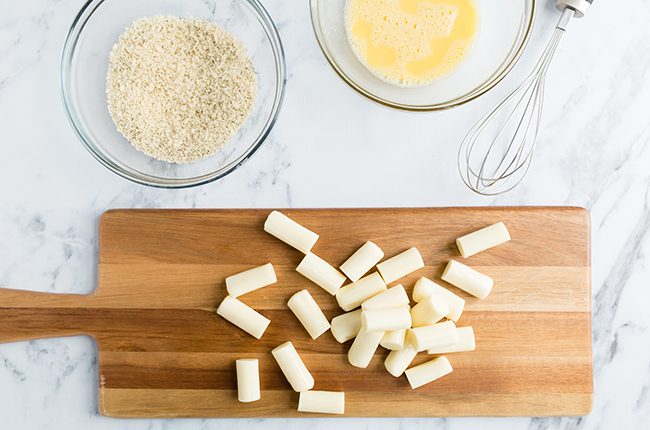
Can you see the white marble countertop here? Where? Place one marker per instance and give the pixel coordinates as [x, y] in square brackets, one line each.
[594, 152]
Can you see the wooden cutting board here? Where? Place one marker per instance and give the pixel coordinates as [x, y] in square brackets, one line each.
[163, 352]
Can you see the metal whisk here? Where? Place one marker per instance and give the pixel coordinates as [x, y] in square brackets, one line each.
[495, 156]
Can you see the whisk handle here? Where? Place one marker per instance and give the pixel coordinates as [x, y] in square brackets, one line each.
[580, 7]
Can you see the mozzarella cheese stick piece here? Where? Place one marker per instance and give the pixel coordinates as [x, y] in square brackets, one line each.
[293, 367]
[400, 265]
[360, 263]
[290, 232]
[352, 295]
[244, 317]
[303, 305]
[322, 402]
[433, 336]
[321, 273]
[429, 311]
[425, 287]
[391, 298]
[386, 319]
[393, 340]
[397, 361]
[364, 347]
[467, 279]
[250, 280]
[346, 326]
[248, 380]
[466, 342]
[482, 239]
[428, 372]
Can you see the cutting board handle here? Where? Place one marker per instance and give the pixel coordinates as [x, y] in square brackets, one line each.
[57, 315]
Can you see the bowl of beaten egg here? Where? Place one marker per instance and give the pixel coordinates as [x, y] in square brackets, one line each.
[422, 55]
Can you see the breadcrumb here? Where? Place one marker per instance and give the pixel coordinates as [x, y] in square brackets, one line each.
[178, 89]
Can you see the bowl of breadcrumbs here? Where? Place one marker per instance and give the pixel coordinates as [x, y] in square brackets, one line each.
[172, 93]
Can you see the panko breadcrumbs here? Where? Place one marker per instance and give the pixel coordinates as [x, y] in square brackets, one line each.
[178, 88]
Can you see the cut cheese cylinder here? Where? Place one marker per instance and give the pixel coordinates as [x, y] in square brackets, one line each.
[397, 361]
[429, 311]
[400, 265]
[303, 305]
[293, 367]
[467, 279]
[466, 342]
[425, 287]
[322, 402]
[364, 347]
[482, 239]
[248, 380]
[433, 336]
[346, 326]
[290, 232]
[386, 319]
[250, 280]
[391, 298]
[321, 273]
[244, 317]
[393, 340]
[352, 295]
[360, 263]
[428, 372]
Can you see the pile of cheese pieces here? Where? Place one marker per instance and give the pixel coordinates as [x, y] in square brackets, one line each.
[384, 316]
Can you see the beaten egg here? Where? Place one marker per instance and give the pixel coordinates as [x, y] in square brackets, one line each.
[411, 42]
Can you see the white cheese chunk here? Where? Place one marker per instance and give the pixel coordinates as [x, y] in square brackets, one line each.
[429, 311]
[467, 279]
[244, 317]
[428, 372]
[397, 361]
[466, 342]
[321, 273]
[293, 367]
[346, 326]
[323, 402]
[303, 305]
[393, 340]
[425, 287]
[250, 280]
[364, 347]
[290, 232]
[386, 319]
[360, 263]
[482, 239]
[352, 295]
[400, 265]
[393, 297]
[248, 380]
[433, 336]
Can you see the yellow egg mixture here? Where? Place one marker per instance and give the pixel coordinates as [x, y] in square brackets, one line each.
[411, 42]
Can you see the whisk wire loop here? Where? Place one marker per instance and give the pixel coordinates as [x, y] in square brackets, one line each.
[490, 167]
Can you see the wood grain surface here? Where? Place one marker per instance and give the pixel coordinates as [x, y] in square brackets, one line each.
[163, 352]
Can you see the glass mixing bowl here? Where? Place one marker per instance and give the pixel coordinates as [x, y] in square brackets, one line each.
[504, 29]
[84, 65]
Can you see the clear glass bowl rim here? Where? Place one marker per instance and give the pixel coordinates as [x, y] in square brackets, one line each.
[478, 91]
[70, 107]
